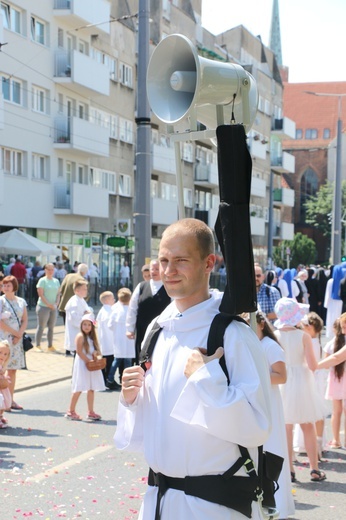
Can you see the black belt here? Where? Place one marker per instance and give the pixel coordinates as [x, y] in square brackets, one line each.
[236, 493]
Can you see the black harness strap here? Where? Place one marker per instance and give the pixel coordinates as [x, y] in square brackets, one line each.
[149, 345]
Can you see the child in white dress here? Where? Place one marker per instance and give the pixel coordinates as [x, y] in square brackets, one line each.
[299, 392]
[124, 347]
[313, 325]
[83, 380]
[74, 309]
[5, 394]
[277, 442]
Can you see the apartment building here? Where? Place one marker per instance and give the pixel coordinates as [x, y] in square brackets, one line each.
[67, 126]
[67, 137]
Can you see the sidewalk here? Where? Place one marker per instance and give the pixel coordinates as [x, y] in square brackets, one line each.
[45, 367]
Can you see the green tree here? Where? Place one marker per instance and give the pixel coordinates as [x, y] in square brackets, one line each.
[320, 206]
[303, 251]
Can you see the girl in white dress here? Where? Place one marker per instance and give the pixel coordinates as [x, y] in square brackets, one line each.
[277, 442]
[313, 325]
[299, 392]
[83, 380]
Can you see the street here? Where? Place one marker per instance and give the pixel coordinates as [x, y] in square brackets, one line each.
[53, 468]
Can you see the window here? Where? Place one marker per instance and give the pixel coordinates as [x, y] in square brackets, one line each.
[60, 38]
[326, 133]
[187, 152]
[124, 185]
[38, 31]
[12, 161]
[125, 130]
[39, 167]
[102, 179]
[113, 127]
[12, 90]
[308, 188]
[166, 9]
[11, 18]
[82, 174]
[311, 133]
[187, 197]
[113, 69]
[83, 47]
[168, 191]
[60, 167]
[154, 184]
[299, 133]
[39, 100]
[125, 74]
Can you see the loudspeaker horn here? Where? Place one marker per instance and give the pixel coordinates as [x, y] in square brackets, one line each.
[182, 85]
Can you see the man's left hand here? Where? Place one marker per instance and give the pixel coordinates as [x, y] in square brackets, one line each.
[198, 358]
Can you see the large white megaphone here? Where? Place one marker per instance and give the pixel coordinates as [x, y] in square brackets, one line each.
[182, 85]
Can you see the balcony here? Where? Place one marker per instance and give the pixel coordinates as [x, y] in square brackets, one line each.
[164, 159]
[82, 12]
[284, 163]
[206, 174]
[258, 187]
[283, 231]
[284, 128]
[257, 226]
[285, 196]
[80, 199]
[257, 148]
[73, 133]
[81, 73]
[164, 211]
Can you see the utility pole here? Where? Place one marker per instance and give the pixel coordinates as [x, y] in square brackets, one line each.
[142, 212]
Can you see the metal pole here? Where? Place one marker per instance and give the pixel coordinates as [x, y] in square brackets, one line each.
[336, 238]
[142, 211]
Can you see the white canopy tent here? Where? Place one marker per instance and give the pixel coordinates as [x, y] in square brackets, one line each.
[18, 243]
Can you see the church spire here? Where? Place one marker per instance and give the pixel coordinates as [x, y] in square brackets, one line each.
[275, 36]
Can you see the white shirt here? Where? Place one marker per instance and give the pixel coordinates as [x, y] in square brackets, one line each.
[282, 284]
[131, 318]
[75, 308]
[104, 333]
[193, 426]
[123, 346]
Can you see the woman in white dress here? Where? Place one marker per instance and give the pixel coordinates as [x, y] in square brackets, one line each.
[277, 442]
[299, 392]
[83, 380]
[13, 322]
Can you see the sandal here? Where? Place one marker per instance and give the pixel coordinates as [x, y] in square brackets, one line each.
[73, 416]
[334, 445]
[3, 426]
[94, 416]
[3, 420]
[320, 475]
[16, 406]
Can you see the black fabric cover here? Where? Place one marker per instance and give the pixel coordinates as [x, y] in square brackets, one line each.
[232, 226]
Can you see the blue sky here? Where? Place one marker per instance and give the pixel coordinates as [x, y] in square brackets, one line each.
[313, 32]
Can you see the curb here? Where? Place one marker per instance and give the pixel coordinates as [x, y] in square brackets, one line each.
[43, 383]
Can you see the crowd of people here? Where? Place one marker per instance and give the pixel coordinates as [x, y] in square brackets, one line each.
[279, 379]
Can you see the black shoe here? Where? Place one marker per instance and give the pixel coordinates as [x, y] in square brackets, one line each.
[68, 353]
[113, 385]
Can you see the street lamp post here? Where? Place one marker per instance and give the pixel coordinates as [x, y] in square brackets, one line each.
[336, 223]
[143, 156]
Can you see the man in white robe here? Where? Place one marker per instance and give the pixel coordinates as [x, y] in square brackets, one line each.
[181, 412]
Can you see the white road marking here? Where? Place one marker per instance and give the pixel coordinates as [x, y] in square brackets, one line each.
[69, 463]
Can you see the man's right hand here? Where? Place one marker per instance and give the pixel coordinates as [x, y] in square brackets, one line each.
[130, 335]
[132, 381]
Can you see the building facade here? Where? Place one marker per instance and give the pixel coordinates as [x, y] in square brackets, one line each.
[68, 131]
